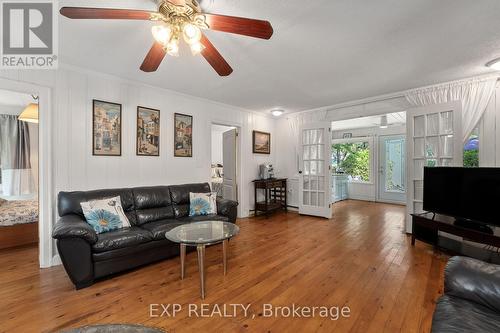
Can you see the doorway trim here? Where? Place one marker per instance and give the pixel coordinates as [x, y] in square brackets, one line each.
[239, 166]
[378, 166]
[45, 199]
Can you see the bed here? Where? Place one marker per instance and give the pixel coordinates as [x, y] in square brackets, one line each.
[216, 181]
[18, 222]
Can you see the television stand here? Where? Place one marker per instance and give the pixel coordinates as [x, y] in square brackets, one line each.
[467, 224]
[426, 227]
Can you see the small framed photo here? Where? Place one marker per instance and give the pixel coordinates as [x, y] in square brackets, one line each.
[183, 135]
[261, 142]
[106, 128]
[148, 132]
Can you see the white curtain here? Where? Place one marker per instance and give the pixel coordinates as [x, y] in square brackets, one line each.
[474, 94]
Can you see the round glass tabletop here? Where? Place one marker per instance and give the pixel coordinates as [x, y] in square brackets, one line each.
[206, 232]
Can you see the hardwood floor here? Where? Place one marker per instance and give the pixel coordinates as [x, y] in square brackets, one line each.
[360, 259]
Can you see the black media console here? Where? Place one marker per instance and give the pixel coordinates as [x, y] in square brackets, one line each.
[426, 227]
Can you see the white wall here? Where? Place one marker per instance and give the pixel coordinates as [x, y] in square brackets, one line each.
[74, 167]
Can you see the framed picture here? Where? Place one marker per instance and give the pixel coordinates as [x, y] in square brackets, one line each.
[261, 142]
[106, 128]
[148, 132]
[183, 135]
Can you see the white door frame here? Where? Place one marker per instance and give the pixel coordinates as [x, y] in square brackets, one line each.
[47, 212]
[239, 166]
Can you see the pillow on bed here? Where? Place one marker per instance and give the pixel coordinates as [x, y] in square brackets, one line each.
[105, 215]
[202, 203]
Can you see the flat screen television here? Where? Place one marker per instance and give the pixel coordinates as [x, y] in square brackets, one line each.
[468, 194]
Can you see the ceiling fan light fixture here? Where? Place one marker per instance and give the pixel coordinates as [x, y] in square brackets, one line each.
[197, 48]
[162, 33]
[173, 47]
[191, 33]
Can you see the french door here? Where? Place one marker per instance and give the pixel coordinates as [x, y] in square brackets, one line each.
[314, 173]
[392, 169]
[434, 138]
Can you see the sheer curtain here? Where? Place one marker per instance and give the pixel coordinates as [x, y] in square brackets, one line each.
[474, 94]
[17, 177]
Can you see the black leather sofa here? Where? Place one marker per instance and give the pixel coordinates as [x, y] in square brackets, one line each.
[471, 302]
[152, 211]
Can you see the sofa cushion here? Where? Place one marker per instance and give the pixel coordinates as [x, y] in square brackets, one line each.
[152, 204]
[69, 202]
[159, 228]
[105, 214]
[125, 252]
[200, 218]
[180, 196]
[454, 314]
[121, 238]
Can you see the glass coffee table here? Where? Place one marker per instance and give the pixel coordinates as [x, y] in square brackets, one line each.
[201, 234]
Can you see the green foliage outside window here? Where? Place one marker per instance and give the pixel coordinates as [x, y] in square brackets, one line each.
[471, 158]
[352, 159]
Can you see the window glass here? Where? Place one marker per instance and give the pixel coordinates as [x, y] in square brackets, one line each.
[471, 150]
[353, 159]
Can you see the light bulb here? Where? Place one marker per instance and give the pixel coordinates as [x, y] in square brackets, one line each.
[162, 33]
[192, 33]
[173, 47]
[197, 48]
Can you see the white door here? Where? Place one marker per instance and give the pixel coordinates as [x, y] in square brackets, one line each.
[392, 169]
[434, 138]
[229, 186]
[314, 173]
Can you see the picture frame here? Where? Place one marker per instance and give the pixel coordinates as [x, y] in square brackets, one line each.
[261, 142]
[106, 128]
[183, 135]
[148, 132]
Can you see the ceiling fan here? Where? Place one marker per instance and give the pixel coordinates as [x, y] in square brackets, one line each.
[176, 19]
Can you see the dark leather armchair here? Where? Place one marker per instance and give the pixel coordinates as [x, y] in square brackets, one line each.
[471, 302]
[152, 212]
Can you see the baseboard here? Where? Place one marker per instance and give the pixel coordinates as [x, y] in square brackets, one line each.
[56, 260]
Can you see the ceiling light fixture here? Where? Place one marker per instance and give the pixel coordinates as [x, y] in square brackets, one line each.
[383, 121]
[277, 112]
[494, 64]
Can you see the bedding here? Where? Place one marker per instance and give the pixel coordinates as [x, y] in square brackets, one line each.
[18, 212]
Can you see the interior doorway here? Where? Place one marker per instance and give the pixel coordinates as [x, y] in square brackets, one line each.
[369, 158]
[19, 170]
[225, 161]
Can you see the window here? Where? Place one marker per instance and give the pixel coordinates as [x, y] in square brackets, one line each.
[471, 150]
[353, 158]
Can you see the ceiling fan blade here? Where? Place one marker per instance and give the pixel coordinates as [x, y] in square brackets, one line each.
[106, 13]
[240, 25]
[153, 58]
[214, 58]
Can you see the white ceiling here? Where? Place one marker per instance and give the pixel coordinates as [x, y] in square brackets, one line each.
[323, 52]
[395, 118]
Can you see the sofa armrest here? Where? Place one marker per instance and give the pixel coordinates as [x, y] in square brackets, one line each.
[71, 226]
[227, 208]
[473, 280]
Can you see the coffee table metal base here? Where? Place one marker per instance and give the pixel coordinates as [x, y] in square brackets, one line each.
[201, 263]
